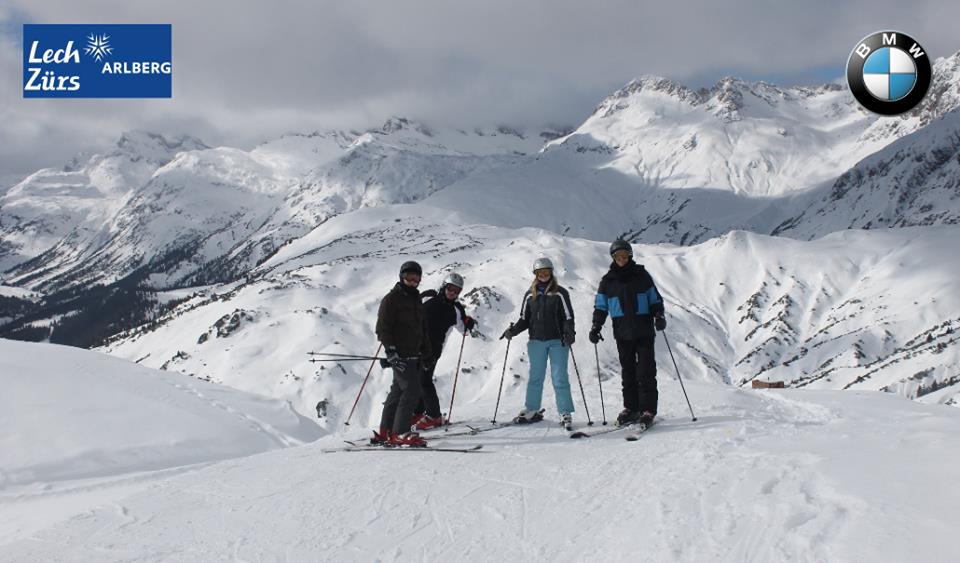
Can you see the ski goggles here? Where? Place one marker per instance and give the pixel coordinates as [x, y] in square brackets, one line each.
[543, 272]
[621, 255]
[453, 289]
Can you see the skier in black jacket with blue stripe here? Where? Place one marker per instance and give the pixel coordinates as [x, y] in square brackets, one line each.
[628, 295]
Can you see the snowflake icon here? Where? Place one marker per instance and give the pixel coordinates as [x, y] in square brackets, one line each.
[98, 46]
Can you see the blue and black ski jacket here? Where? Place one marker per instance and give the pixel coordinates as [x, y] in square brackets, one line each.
[631, 298]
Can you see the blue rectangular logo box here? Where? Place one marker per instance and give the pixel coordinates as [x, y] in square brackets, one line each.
[97, 61]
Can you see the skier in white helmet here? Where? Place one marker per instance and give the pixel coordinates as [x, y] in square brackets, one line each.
[548, 314]
[441, 311]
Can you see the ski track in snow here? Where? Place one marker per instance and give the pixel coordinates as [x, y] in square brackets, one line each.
[730, 487]
[251, 422]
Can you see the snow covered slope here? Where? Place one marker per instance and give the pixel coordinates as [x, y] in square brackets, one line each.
[914, 181]
[866, 310]
[82, 429]
[74, 414]
[762, 476]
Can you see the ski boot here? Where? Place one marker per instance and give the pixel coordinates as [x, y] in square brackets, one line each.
[381, 438]
[415, 420]
[566, 420]
[647, 418]
[627, 416]
[427, 422]
[408, 440]
[528, 417]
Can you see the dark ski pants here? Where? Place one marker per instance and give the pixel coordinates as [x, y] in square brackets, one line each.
[430, 401]
[639, 374]
[402, 399]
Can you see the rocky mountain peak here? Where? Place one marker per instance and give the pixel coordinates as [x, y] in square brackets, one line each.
[154, 147]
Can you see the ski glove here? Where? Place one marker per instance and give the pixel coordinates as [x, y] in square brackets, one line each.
[469, 322]
[659, 323]
[569, 337]
[508, 334]
[595, 335]
[394, 360]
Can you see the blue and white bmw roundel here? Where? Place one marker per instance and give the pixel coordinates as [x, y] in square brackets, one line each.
[889, 74]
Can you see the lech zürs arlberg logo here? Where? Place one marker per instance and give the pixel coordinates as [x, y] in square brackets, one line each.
[97, 60]
[888, 72]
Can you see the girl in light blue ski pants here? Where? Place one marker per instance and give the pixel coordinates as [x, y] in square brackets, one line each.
[538, 351]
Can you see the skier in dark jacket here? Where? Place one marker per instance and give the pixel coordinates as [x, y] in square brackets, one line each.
[402, 331]
[442, 312]
[548, 314]
[627, 293]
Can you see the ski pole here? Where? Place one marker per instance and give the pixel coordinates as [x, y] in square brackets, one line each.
[502, 375]
[362, 385]
[332, 355]
[580, 381]
[456, 374]
[357, 359]
[603, 408]
[678, 377]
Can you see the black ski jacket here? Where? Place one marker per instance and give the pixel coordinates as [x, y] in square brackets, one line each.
[441, 315]
[400, 322]
[549, 316]
[631, 298]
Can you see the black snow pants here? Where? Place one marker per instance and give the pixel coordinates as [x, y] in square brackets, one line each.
[430, 401]
[639, 374]
[403, 398]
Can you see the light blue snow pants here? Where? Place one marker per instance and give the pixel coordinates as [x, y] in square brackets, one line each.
[538, 351]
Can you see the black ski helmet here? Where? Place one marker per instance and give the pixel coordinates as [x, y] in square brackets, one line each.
[411, 266]
[620, 244]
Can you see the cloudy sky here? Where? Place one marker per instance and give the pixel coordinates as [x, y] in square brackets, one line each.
[248, 71]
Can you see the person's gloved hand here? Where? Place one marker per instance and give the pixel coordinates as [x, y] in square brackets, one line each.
[469, 322]
[569, 337]
[508, 334]
[595, 335]
[394, 360]
[660, 322]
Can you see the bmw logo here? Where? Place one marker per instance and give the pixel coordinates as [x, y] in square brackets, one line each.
[888, 72]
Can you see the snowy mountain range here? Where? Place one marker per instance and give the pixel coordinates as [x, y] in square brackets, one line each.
[64, 207]
[296, 240]
[663, 163]
[856, 309]
[195, 214]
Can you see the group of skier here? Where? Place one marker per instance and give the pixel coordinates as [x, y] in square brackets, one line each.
[412, 327]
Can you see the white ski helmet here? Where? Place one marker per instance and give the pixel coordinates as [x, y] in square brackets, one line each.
[542, 263]
[453, 278]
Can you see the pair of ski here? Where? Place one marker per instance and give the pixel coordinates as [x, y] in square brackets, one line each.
[361, 447]
[432, 434]
[634, 431]
[473, 430]
[358, 446]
